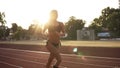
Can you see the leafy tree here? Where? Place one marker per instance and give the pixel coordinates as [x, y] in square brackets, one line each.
[14, 27]
[72, 26]
[2, 26]
[18, 33]
[2, 18]
[113, 23]
[31, 29]
[7, 32]
[4, 32]
[109, 19]
[96, 25]
[35, 30]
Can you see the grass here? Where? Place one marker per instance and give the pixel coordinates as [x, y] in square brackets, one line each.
[93, 43]
[71, 43]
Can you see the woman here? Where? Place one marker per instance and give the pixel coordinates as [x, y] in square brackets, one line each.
[55, 30]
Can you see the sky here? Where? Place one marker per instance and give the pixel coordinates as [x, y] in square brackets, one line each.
[26, 12]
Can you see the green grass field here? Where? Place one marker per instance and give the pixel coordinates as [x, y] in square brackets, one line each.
[71, 43]
[93, 43]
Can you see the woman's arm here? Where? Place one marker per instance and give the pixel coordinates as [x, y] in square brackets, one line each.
[45, 28]
[62, 30]
[44, 31]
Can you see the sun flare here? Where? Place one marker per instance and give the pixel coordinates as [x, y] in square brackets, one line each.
[41, 18]
[23, 12]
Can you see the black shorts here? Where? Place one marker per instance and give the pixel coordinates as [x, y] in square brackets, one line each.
[54, 44]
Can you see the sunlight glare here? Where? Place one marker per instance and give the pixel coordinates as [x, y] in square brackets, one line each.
[23, 12]
[75, 50]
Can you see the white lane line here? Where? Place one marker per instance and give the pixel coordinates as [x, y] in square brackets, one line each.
[97, 57]
[89, 64]
[71, 55]
[65, 62]
[22, 59]
[25, 60]
[61, 66]
[11, 64]
[62, 54]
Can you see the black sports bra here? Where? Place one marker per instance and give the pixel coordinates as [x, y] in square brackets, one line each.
[52, 28]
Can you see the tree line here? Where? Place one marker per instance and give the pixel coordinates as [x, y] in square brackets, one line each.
[109, 21]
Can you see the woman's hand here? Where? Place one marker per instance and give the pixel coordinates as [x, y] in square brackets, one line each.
[44, 35]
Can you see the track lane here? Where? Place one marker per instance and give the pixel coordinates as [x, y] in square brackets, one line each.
[8, 65]
[36, 53]
[37, 59]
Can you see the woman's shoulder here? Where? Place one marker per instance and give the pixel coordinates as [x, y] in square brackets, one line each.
[61, 23]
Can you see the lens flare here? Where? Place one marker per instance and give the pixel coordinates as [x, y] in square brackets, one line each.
[75, 50]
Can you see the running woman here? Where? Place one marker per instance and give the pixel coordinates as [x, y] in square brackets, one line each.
[55, 31]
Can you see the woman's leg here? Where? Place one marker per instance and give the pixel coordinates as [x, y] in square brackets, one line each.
[51, 57]
[58, 58]
[55, 53]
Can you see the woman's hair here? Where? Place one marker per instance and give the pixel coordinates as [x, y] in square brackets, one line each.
[53, 14]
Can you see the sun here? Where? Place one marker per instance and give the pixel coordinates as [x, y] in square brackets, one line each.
[43, 17]
[43, 20]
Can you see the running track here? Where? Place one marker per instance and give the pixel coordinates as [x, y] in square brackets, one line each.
[16, 58]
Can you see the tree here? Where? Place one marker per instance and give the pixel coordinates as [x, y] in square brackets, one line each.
[96, 25]
[109, 19]
[2, 18]
[14, 27]
[19, 34]
[72, 26]
[35, 30]
[7, 31]
[4, 32]
[2, 26]
[113, 23]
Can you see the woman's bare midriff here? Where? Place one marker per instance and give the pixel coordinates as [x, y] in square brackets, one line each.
[54, 37]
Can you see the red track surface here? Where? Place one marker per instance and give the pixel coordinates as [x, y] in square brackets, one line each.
[15, 58]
